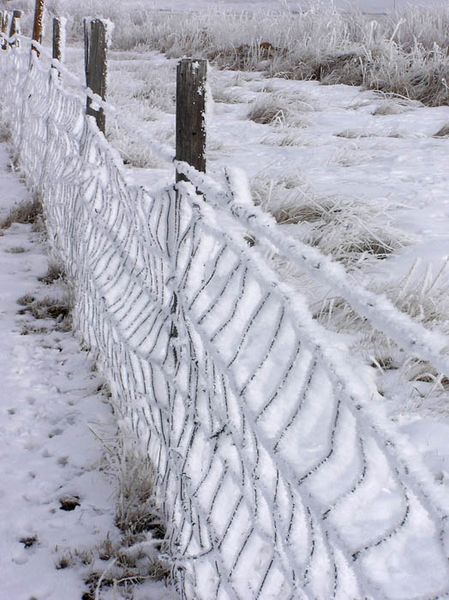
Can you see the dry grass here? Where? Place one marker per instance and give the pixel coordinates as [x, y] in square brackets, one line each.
[137, 516]
[345, 228]
[280, 109]
[356, 134]
[287, 137]
[342, 234]
[137, 512]
[55, 272]
[353, 134]
[135, 554]
[395, 106]
[156, 94]
[224, 96]
[443, 132]
[29, 212]
[16, 250]
[424, 296]
[47, 308]
[404, 53]
[268, 111]
[5, 134]
[57, 309]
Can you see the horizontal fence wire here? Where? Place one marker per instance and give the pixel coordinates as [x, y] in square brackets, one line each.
[76, 87]
[278, 475]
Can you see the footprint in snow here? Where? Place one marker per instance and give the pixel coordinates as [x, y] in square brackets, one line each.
[69, 503]
[29, 541]
[55, 432]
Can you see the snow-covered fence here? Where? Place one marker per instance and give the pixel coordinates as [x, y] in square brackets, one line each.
[278, 475]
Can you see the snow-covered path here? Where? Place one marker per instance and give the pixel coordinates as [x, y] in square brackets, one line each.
[48, 401]
[57, 506]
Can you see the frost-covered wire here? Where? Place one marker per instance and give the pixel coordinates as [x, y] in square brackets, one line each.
[278, 474]
[378, 309]
[78, 87]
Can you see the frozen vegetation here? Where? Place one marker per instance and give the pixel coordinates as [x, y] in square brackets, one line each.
[75, 503]
[354, 173]
[401, 52]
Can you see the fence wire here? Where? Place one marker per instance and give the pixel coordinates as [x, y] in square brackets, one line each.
[278, 476]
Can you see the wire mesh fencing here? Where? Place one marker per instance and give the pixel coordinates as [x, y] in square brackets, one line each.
[278, 475]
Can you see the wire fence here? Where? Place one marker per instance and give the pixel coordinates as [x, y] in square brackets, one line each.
[278, 474]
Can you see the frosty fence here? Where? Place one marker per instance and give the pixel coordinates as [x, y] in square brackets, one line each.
[278, 475]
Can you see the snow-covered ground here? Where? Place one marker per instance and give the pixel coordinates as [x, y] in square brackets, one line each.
[384, 155]
[372, 163]
[366, 165]
[58, 498]
[359, 161]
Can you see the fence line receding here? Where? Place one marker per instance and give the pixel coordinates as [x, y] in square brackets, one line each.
[278, 475]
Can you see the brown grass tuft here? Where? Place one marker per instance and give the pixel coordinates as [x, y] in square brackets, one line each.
[443, 132]
[267, 112]
[28, 212]
[54, 273]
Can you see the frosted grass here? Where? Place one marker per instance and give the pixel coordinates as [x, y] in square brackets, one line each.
[403, 54]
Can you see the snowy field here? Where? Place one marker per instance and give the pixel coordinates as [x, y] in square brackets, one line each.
[361, 175]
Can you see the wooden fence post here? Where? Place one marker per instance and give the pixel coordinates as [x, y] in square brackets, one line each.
[15, 25]
[58, 39]
[190, 114]
[86, 25]
[5, 28]
[38, 26]
[95, 52]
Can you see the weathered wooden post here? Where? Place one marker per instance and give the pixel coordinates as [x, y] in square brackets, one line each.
[15, 26]
[95, 53]
[6, 17]
[58, 38]
[190, 144]
[38, 26]
[191, 114]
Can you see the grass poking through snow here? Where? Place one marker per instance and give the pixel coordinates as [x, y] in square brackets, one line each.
[136, 554]
[349, 230]
[403, 53]
[28, 212]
